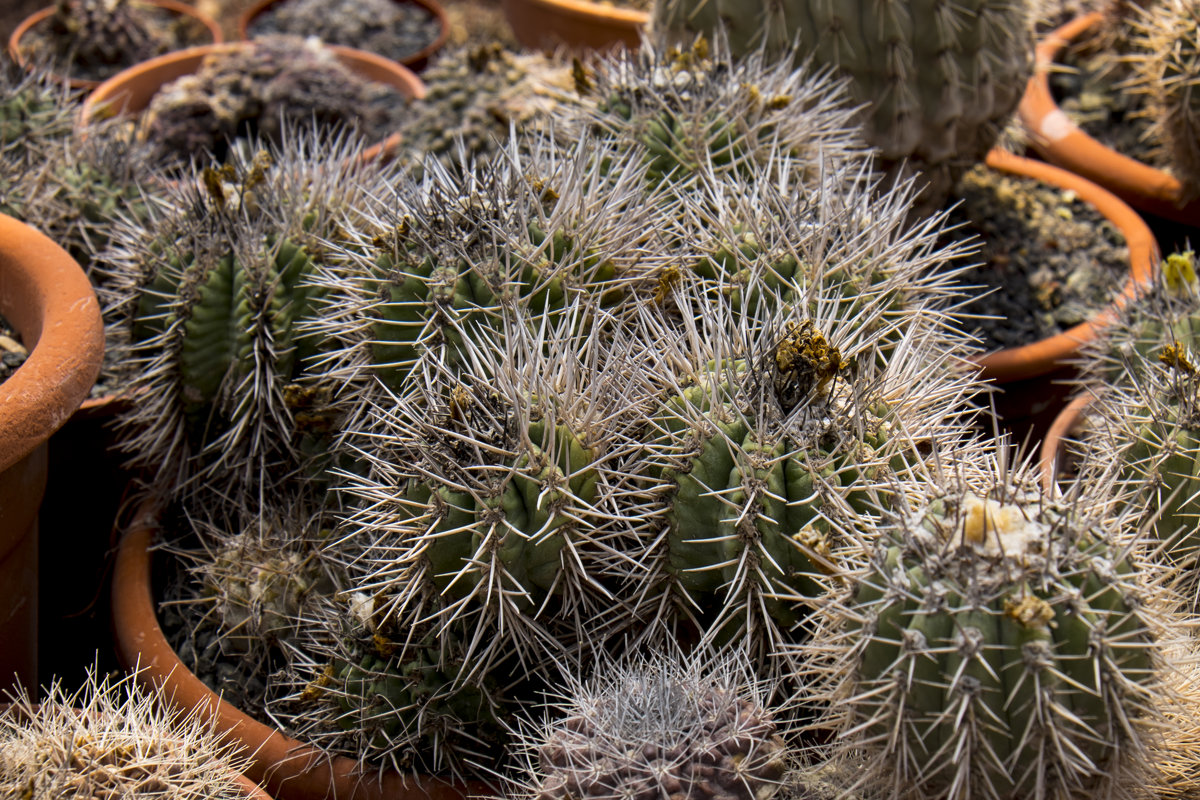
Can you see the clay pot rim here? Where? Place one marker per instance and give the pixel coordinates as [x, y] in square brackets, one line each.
[1043, 356]
[1060, 430]
[595, 12]
[14, 50]
[364, 63]
[279, 762]
[62, 330]
[415, 61]
[1061, 141]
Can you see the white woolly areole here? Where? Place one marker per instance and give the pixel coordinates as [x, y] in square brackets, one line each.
[997, 529]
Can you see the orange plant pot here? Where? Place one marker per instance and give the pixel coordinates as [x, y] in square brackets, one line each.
[14, 41]
[1030, 376]
[575, 24]
[47, 298]
[1060, 141]
[416, 62]
[1054, 444]
[291, 770]
[131, 91]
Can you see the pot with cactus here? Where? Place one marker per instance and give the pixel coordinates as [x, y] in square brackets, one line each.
[1144, 65]
[89, 41]
[51, 305]
[200, 99]
[409, 32]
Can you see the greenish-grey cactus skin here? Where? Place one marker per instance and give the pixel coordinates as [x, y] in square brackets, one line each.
[737, 491]
[530, 538]
[216, 300]
[1165, 459]
[422, 290]
[940, 78]
[1001, 643]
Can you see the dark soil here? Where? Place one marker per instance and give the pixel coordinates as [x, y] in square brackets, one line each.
[1048, 260]
[392, 28]
[12, 354]
[169, 31]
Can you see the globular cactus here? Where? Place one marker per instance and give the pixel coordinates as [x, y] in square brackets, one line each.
[697, 111]
[95, 39]
[477, 95]
[780, 430]
[488, 501]
[1000, 643]
[33, 108]
[666, 725]
[208, 294]
[361, 686]
[939, 80]
[1144, 422]
[112, 739]
[1165, 60]
[537, 228]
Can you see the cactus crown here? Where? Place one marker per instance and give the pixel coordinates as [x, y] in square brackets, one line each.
[111, 739]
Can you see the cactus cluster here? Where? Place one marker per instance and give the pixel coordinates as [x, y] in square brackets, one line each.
[938, 80]
[111, 739]
[98, 38]
[1000, 643]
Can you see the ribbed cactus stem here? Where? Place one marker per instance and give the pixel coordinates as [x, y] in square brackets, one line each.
[940, 78]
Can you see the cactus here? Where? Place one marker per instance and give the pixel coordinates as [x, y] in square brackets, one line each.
[209, 295]
[939, 80]
[660, 726]
[1166, 66]
[697, 111]
[112, 739]
[439, 257]
[1000, 643]
[98, 38]
[487, 503]
[33, 109]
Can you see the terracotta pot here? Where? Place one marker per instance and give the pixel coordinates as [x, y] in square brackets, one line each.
[1033, 377]
[1053, 445]
[47, 298]
[1058, 140]
[575, 24]
[131, 91]
[291, 770]
[14, 41]
[415, 62]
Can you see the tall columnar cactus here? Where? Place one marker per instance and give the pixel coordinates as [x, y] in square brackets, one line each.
[1000, 644]
[208, 294]
[112, 739]
[698, 111]
[1166, 65]
[939, 79]
[661, 726]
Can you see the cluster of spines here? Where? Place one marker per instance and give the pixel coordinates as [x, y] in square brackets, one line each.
[112, 739]
[666, 725]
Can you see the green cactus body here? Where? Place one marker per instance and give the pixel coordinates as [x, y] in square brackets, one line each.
[220, 304]
[989, 639]
[737, 497]
[518, 530]
[940, 79]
